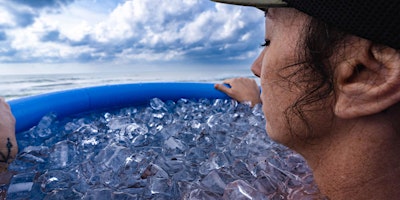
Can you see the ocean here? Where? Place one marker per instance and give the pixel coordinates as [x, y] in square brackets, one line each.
[13, 86]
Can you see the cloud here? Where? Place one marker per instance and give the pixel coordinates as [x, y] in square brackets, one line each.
[44, 3]
[134, 31]
[3, 36]
[12, 16]
[188, 28]
[51, 36]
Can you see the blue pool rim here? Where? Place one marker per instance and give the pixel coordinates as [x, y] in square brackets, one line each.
[29, 110]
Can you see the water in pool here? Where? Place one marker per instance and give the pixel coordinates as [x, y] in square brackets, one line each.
[188, 149]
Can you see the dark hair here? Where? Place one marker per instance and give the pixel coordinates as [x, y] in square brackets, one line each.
[313, 73]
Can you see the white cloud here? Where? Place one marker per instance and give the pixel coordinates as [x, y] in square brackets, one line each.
[12, 15]
[147, 55]
[6, 18]
[138, 30]
[145, 18]
[27, 42]
[117, 26]
[74, 22]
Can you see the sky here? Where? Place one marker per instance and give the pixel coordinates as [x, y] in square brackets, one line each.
[69, 34]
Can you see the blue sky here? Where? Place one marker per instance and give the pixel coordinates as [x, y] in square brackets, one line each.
[127, 33]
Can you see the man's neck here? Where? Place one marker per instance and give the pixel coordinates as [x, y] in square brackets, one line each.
[357, 161]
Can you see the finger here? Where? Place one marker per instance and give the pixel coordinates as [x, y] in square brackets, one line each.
[4, 103]
[227, 81]
[222, 88]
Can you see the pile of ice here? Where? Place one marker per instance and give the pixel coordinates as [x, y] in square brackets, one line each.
[188, 149]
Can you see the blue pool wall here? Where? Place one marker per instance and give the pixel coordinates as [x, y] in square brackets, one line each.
[29, 110]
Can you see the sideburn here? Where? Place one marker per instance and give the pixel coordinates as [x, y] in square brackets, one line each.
[312, 74]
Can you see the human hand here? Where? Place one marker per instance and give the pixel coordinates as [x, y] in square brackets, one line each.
[241, 89]
[8, 142]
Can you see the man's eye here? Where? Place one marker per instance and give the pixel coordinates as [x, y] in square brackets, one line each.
[266, 43]
[265, 12]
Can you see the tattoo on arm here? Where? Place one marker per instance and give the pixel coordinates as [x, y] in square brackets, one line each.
[5, 158]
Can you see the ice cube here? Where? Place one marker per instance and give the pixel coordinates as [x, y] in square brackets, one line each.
[21, 186]
[213, 183]
[172, 143]
[137, 129]
[55, 180]
[158, 104]
[113, 156]
[203, 195]
[43, 129]
[159, 181]
[98, 194]
[62, 155]
[241, 190]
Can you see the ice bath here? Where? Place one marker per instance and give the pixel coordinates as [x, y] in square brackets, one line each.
[184, 149]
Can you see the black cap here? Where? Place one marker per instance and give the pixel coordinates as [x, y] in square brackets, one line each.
[378, 21]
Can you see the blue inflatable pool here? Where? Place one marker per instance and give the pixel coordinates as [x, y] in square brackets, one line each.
[28, 111]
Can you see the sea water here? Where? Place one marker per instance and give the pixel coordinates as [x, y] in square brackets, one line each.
[13, 86]
[187, 149]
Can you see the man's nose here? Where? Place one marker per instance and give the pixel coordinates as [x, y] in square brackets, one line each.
[256, 66]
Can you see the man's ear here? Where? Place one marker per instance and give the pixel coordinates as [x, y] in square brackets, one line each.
[368, 82]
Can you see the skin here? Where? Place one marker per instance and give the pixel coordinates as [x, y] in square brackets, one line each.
[354, 140]
[268, 66]
[8, 143]
[242, 89]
